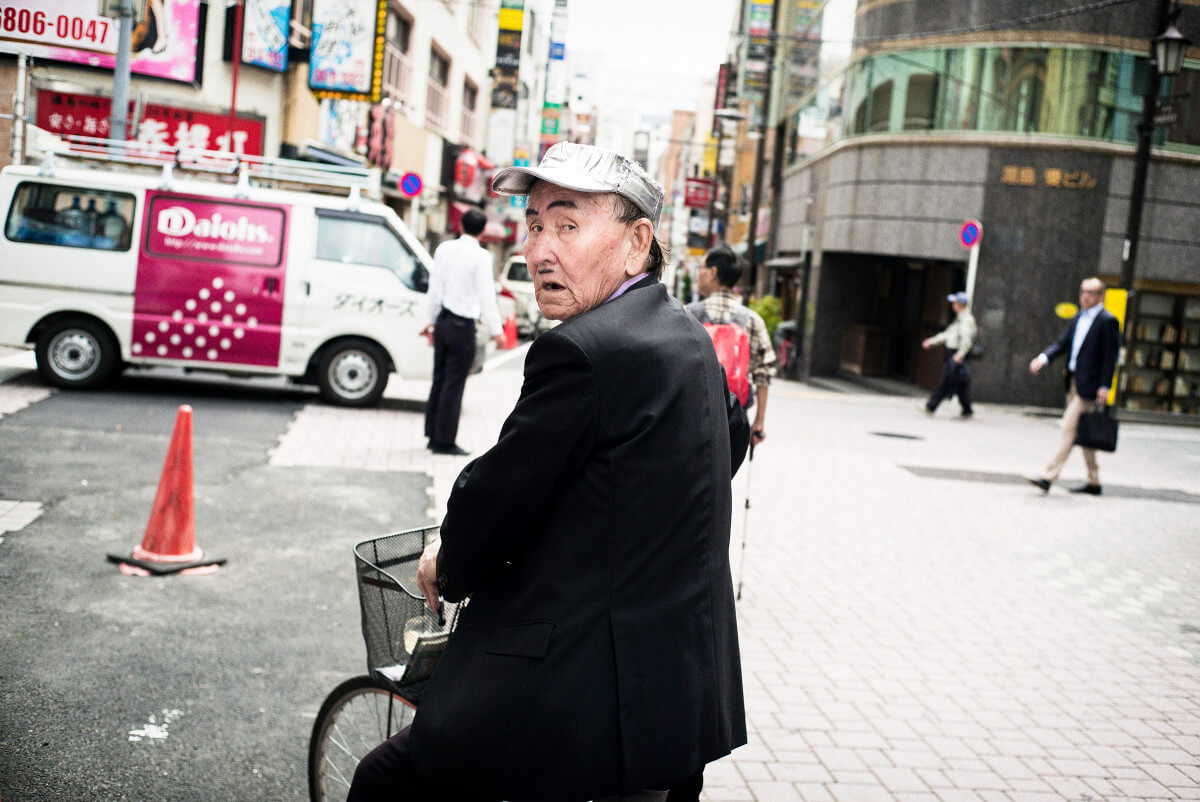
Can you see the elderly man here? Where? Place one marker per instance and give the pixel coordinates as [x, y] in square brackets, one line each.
[598, 657]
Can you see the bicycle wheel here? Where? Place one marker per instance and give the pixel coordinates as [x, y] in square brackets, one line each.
[355, 718]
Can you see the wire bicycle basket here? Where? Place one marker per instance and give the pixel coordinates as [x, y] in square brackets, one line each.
[404, 638]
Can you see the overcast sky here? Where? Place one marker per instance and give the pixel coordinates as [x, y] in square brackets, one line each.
[650, 56]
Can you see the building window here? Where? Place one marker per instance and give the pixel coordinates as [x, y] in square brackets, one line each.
[470, 94]
[439, 68]
[1044, 90]
[75, 217]
[398, 31]
[437, 100]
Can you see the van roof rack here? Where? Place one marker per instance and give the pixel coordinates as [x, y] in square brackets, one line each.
[213, 164]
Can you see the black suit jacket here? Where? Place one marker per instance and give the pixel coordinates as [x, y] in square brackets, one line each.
[1097, 355]
[598, 654]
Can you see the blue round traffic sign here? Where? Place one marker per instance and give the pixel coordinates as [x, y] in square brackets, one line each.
[970, 233]
[410, 184]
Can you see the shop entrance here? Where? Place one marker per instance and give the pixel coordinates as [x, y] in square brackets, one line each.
[895, 303]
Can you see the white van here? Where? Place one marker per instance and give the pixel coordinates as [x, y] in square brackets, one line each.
[102, 269]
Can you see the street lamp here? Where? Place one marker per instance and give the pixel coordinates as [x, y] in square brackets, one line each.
[722, 115]
[1166, 58]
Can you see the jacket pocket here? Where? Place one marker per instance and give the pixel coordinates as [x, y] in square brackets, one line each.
[521, 640]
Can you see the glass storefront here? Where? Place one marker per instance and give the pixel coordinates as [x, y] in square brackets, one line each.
[1163, 373]
[1045, 90]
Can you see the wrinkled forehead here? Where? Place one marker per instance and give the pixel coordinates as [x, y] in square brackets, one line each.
[544, 196]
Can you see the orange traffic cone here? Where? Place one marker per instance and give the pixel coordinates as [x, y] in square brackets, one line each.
[169, 543]
[510, 332]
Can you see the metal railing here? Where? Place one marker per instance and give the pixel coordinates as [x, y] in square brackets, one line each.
[437, 107]
[213, 163]
[466, 126]
[397, 72]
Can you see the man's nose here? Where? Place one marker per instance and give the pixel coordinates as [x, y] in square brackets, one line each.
[536, 253]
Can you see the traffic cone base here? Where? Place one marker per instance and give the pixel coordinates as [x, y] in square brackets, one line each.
[169, 543]
[510, 333]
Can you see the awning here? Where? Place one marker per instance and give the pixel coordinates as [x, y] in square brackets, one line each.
[785, 263]
[321, 152]
[497, 228]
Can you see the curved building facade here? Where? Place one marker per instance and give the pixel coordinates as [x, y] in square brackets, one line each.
[1022, 115]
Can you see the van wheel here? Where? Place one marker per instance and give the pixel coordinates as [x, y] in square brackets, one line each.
[353, 373]
[76, 353]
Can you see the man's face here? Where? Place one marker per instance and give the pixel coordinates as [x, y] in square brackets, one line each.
[577, 251]
[1090, 294]
[958, 308]
[706, 281]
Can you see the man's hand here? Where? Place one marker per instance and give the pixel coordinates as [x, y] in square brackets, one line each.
[427, 575]
[1102, 396]
[499, 341]
[957, 359]
[757, 435]
[1036, 364]
[926, 344]
[427, 333]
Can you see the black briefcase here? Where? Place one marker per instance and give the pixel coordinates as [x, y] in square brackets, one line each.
[1097, 429]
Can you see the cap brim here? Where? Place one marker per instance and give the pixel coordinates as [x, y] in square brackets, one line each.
[519, 180]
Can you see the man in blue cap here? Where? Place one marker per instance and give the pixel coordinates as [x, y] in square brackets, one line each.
[958, 337]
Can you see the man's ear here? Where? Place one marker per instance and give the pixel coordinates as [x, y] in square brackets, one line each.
[640, 237]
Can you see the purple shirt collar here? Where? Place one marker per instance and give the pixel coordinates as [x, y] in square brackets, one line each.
[629, 282]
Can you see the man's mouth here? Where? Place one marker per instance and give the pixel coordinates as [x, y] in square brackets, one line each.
[551, 286]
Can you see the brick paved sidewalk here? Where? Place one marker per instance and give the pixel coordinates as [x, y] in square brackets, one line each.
[915, 638]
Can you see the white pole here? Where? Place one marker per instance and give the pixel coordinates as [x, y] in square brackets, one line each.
[18, 140]
[972, 267]
[120, 100]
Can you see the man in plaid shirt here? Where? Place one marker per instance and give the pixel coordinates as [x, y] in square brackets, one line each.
[722, 270]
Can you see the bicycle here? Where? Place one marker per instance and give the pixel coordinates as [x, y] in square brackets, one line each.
[404, 640]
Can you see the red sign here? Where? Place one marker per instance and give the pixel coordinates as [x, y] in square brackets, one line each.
[697, 193]
[159, 126]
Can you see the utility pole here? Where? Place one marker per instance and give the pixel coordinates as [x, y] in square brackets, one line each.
[1168, 10]
[752, 277]
[120, 99]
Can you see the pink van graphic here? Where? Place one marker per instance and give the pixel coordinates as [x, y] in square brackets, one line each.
[210, 280]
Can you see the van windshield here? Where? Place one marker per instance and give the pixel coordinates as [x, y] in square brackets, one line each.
[519, 271]
[368, 240]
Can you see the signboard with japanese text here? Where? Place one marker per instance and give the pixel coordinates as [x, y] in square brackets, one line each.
[697, 193]
[265, 33]
[164, 41]
[346, 56]
[159, 125]
[508, 54]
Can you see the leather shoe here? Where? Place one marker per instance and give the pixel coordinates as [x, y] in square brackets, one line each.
[1041, 484]
[453, 449]
[1091, 490]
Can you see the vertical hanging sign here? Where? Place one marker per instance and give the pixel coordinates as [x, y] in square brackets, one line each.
[508, 54]
[556, 78]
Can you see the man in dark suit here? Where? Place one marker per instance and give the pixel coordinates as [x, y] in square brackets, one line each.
[598, 656]
[1090, 342]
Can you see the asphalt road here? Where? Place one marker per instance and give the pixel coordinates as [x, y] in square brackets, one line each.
[204, 687]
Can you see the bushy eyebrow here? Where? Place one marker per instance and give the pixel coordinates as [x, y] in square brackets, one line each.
[566, 204]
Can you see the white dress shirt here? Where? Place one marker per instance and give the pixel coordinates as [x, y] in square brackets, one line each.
[1086, 318]
[462, 283]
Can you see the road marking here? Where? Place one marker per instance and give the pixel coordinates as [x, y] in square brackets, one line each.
[155, 728]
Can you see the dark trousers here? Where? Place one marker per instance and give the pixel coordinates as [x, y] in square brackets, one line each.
[386, 774]
[453, 353]
[956, 380]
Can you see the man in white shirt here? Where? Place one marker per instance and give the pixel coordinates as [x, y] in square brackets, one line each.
[1090, 342]
[461, 290]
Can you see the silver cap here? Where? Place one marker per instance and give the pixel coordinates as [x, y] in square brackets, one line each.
[586, 168]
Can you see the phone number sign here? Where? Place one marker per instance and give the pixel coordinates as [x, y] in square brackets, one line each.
[26, 24]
